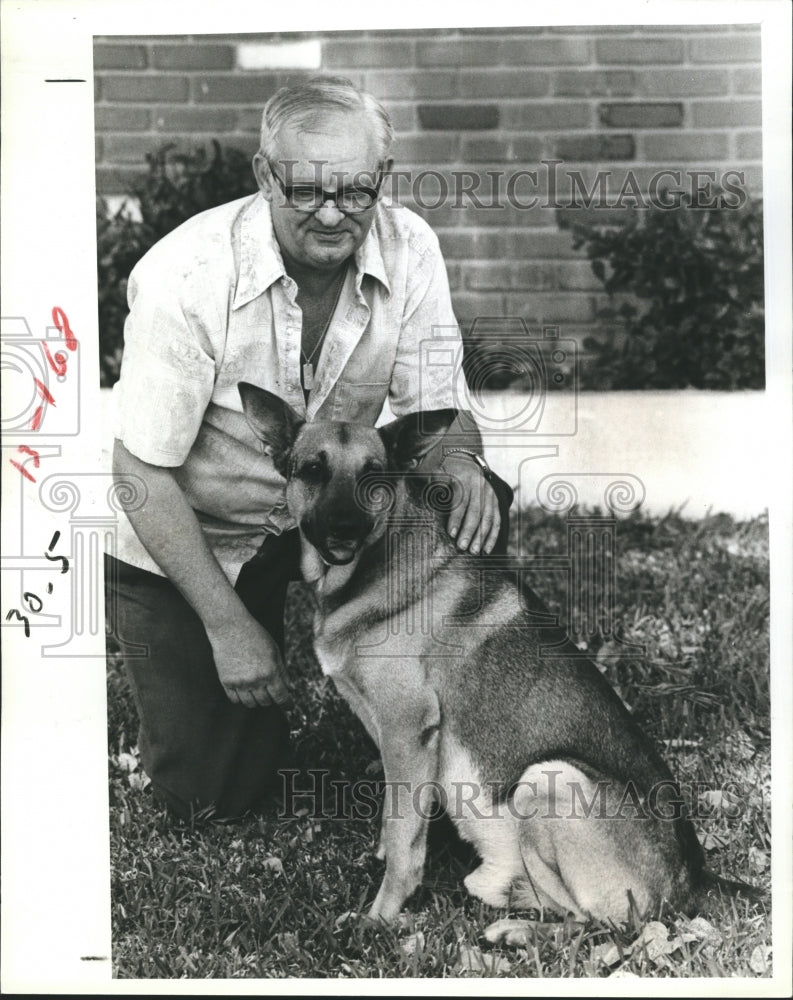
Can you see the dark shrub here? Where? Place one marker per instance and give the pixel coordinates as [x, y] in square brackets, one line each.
[686, 298]
[177, 186]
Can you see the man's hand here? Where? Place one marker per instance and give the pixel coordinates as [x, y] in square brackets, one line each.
[475, 520]
[249, 662]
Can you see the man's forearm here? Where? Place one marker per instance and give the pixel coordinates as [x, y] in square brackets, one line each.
[167, 526]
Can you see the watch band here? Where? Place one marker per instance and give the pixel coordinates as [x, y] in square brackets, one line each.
[471, 454]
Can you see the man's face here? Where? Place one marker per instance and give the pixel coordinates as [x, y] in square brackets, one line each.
[343, 156]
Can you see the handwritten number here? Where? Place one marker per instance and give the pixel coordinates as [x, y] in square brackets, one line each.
[20, 617]
[31, 600]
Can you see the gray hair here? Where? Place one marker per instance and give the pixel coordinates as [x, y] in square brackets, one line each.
[306, 105]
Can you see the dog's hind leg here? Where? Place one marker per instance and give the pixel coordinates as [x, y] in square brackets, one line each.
[584, 852]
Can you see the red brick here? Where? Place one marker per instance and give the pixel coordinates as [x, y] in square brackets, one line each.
[466, 244]
[394, 85]
[136, 89]
[424, 148]
[505, 213]
[733, 48]
[250, 119]
[186, 119]
[730, 114]
[546, 52]
[669, 147]
[639, 50]
[594, 83]
[641, 115]
[352, 53]
[115, 180]
[488, 276]
[552, 307]
[576, 275]
[193, 56]
[403, 116]
[256, 88]
[111, 119]
[746, 81]
[98, 148]
[469, 306]
[540, 117]
[509, 148]
[681, 82]
[439, 216]
[749, 145]
[459, 52]
[130, 148]
[503, 83]
[458, 117]
[595, 147]
[119, 56]
[541, 244]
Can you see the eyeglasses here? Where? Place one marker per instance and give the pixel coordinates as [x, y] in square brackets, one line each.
[308, 198]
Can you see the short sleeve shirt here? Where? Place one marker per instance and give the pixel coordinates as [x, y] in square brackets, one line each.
[211, 305]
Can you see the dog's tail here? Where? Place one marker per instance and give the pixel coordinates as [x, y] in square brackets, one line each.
[710, 884]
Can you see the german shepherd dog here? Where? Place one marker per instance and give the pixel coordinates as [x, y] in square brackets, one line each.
[534, 757]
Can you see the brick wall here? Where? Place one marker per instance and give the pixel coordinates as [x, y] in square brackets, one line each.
[603, 99]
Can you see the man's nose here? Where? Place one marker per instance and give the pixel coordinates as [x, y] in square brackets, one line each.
[329, 215]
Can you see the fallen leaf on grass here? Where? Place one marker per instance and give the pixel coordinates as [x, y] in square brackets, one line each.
[758, 859]
[713, 842]
[703, 931]
[127, 762]
[760, 961]
[472, 959]
[607, 953]
[412, 944]
[275, 864]
[139, 781]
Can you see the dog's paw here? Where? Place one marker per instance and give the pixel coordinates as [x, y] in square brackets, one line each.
[483, 884]
[511, 933]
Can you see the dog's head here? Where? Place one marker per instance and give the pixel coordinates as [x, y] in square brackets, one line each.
[328, 465]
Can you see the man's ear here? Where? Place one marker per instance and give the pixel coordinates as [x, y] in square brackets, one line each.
[409, 439]
[261, 171]
[273, 421]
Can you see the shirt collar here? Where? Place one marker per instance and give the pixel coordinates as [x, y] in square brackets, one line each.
[261, 262]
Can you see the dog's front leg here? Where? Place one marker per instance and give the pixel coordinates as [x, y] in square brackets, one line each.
[409, 742]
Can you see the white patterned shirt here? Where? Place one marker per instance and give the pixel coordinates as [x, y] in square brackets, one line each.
[211, 305]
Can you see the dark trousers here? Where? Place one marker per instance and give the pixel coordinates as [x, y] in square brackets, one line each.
[197, 747]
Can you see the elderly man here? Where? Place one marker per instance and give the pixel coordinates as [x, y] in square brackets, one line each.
[321, 290]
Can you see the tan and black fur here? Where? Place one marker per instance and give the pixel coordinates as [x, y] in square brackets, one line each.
[472, 703]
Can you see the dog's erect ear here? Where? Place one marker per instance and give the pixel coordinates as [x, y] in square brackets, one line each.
[272, 420]
[409, 439]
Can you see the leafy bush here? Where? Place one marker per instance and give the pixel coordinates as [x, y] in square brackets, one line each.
[686, 298]
[177, 186]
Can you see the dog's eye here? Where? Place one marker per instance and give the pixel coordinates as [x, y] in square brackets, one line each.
[311, 471]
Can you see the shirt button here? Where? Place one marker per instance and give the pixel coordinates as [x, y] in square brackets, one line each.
[290, 387]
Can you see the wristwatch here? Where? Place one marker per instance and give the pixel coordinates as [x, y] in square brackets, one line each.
[471, 454]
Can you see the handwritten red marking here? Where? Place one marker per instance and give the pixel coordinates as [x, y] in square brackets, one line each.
[24, 471]
[33, 454]
[60, 319]
[58, 363]
[44, 391]
[38, 416]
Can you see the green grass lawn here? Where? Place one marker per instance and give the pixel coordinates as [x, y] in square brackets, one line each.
[267, 897]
